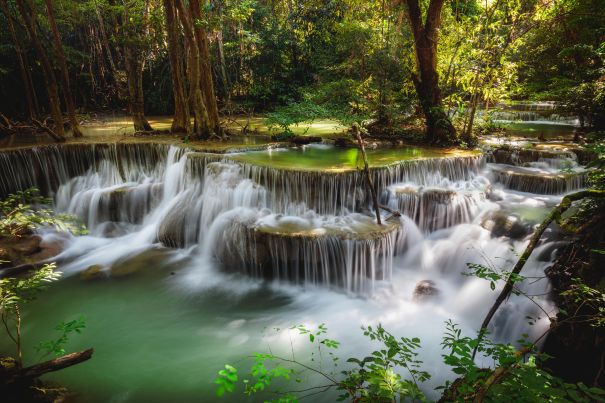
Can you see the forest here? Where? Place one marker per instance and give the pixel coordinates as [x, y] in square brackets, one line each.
[302, 200]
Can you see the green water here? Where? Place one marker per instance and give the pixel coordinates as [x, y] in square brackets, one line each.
[152, 341]
[548, 130]
[328, 158]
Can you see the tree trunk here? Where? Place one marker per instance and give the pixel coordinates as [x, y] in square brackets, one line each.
[206, 79]
[28, 85]
[67, 94]
[181, 120]
[134, 78]
[196, 100]
[47, 70]
[221, 56]
[439, 128]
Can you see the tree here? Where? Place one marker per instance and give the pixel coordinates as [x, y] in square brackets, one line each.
[196, 99]
[67, 94]
[133, 25]
[206, 79]
[24, 68]
[29, 20]
[181, 121]
[439, 128]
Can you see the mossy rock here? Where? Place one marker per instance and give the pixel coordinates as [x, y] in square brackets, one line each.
[93, 272]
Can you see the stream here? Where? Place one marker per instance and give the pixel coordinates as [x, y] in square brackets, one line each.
[194, 260]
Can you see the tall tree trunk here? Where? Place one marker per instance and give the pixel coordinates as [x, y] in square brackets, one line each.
[206, 79]
[181, 120]
[47, 70]
[67, 94]
[196, 99]
[223, 65]
[28, 85]
[439, 128]
[134, 77]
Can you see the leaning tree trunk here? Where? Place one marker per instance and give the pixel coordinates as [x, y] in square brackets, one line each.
[47, 70]
[439, 128]
[67, 94]
[28, 85]
[181, 120]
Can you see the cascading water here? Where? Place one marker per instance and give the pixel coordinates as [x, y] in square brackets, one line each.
[184, 240]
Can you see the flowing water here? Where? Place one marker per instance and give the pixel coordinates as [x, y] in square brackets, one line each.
[194, 260]
[532, 119]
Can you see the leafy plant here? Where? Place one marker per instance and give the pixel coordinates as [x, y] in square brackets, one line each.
[22, 212]
[14, 292]
[57, 346]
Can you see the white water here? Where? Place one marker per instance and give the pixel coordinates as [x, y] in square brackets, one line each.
[210, 218]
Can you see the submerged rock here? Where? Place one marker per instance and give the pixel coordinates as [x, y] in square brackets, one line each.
[26, 245]
[94, 272]
[501, 224]
[136, 264]
[424, 290]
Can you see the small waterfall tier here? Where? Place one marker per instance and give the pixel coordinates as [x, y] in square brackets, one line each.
[434, 208]
[350, 252]
[48, 167]
[344, 190]
[536, 179]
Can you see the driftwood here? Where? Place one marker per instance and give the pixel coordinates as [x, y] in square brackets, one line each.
[554, 215]
[9, 127]
[42, 368]
[357, 134]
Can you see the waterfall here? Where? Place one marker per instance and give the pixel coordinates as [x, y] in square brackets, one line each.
[222, 229]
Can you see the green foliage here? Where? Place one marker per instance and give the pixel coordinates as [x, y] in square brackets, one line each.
[57, 346]
[375, 378]
[22, 212]
[14, 292]
[226, 380]
[586, 299]
[516, 376]
[597, 147]
[492, 274]
[292, 115]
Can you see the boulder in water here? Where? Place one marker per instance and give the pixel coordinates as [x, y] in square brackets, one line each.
[424, 290]
[139, 263]
[501, 224]
[93, 272]
[27, 245]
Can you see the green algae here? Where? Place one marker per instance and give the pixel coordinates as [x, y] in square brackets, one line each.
[328, 158]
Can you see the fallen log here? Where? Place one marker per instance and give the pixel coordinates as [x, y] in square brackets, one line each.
[48, 130]
[42, 368]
